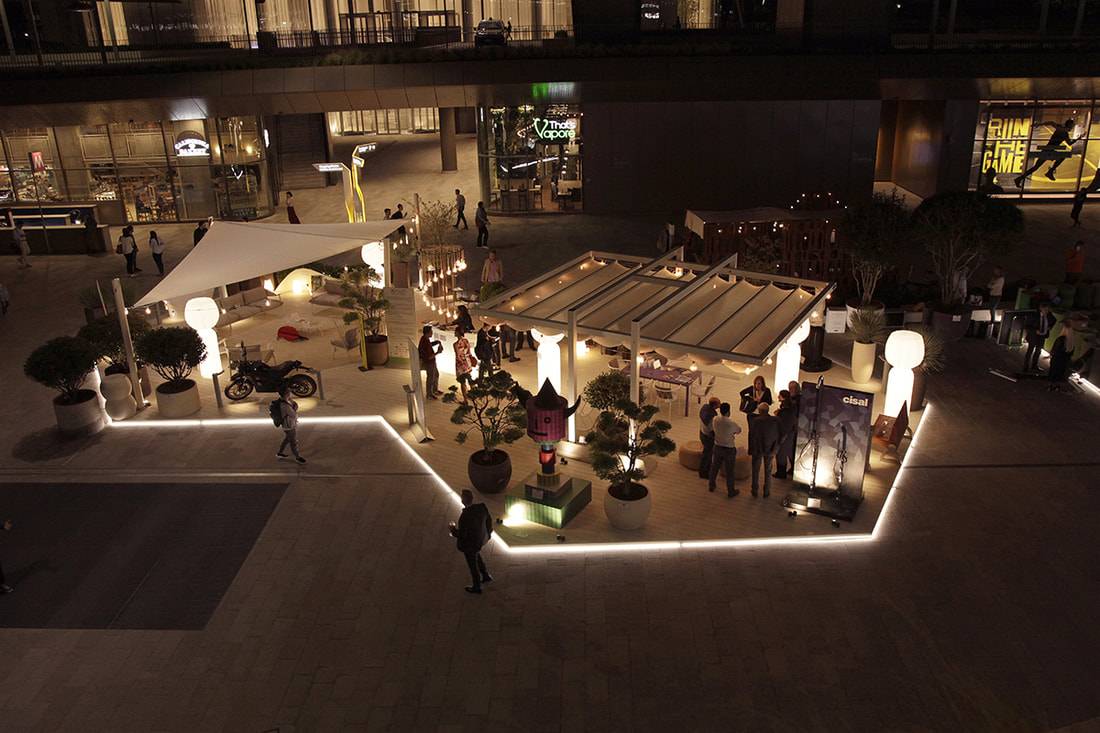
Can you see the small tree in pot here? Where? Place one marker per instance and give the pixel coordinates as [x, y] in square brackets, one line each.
[616, 451]
[173, 352]
[960, 230]
[868, 327]
[367, 307]
[494, 411]
[873, 235]
[63, 364]
[106, 335]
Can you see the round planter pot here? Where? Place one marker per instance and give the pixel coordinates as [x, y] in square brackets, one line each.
[852, 306]
[172, 404]
[83, 417]
[378, 350]
[863, 362]
[489, 473]
[951, 325]
[920, 384]
[627, 514]
[118, 392]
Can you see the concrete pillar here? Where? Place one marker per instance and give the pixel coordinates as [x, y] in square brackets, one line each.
[447, 150]
[483, 132]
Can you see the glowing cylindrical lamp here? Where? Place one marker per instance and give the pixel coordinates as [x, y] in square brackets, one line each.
[904, 352]
[549, 354]
[374, 255]
[202, 314]
[789, 356]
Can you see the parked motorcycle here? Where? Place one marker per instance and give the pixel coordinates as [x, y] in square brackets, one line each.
[249, 376]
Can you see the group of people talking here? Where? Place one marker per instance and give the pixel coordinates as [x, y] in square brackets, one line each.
[771, 437]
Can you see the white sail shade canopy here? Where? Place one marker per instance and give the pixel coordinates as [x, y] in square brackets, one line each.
[234, 251]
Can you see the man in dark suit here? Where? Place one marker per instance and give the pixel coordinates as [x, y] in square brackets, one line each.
[763, 442]
[1037, 328]
[787, 415]
[474, 528]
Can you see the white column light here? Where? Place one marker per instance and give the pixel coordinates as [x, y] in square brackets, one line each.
[549, 353]
[202, 314]
[789, 357]
[904, 352]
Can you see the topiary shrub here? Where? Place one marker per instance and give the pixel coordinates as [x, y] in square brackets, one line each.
[63, 364]
[105, 334]
[172, 352]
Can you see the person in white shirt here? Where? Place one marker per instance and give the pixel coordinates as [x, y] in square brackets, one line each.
[996, 287]
[20, 238]
[725, 452]
[156, 246]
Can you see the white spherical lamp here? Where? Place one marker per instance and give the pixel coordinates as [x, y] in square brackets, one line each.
[904, 352]
[374, 255]
[202, 314]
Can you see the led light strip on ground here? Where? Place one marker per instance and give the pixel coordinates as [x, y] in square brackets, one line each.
[578, 548]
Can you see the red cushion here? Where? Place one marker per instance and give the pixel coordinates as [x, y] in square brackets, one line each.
[288, 333]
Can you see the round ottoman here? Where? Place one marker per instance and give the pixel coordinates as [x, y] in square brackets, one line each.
[742, 465]
[691, 454]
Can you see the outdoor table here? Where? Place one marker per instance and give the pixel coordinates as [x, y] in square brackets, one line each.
[676, 376]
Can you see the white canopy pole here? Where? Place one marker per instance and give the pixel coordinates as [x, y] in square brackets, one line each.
[128, 343]
[571, 371]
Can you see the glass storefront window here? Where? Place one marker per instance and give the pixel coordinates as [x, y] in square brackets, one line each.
[1043, 149]
[534, 159]
[383, 121]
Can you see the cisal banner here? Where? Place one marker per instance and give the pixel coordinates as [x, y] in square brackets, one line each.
[834, 432]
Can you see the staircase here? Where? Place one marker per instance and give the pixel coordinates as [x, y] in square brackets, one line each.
[300, 142]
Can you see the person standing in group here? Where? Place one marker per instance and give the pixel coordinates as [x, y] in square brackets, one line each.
[725, 451]
[156, 246]
[92, 240]
[287, 409]
[1037, 329]
[787, 415]
[5, 300]
[756, 394]
[508, 336]
[763, 443]
[493, 269]
[996, 287]
[401, 232]
[707, 413]
[4, 587]
[387, 213]
[291, 214]
[463, 319]
[127, 247]
[1078, 203]
[1075, 262]
[483, 350]
[473, 531]
[426, 349]
[19, 239]
[460, 206]
[199, 233]
[795, 390]
[481, 219]
[464, 361]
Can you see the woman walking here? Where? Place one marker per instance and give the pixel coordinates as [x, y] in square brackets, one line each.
[464, 361]
[291, 214]
[156, 246]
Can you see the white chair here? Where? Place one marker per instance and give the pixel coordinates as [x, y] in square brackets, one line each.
[700, 396]
[349, 341]
[664, 394]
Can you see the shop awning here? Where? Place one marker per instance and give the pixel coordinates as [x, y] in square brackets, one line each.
[234, 251]
[677, 308]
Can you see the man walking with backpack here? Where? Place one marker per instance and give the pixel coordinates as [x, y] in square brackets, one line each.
[474, 528]
[284, 413]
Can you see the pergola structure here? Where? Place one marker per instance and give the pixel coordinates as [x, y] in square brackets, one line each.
[708, 313]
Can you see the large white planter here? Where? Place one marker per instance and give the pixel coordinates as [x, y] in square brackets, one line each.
[627, 515]
[863, 362]
[118, 392]
[178, 404]
[82, 418]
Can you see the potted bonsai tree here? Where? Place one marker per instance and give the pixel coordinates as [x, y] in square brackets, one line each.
[868, 327]
[63, 364]
[366, 306]
[616, 450]
[494, 411]
[933, 363]
[173, 352]
[960, 230]
[873, 234]
[106, 335]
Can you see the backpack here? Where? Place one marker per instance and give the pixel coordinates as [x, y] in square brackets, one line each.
[275, 409]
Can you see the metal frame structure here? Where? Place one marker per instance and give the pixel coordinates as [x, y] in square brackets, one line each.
[687, 278]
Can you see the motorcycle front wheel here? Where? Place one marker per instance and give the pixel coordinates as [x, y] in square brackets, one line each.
[302, 386]
[238, 389]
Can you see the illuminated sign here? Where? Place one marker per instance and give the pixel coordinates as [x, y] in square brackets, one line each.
[38, 163]
[555, 130]
[329, 167]
[1006, 144]
[191, 144]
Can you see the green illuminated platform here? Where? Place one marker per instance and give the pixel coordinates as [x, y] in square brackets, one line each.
[549, 508]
